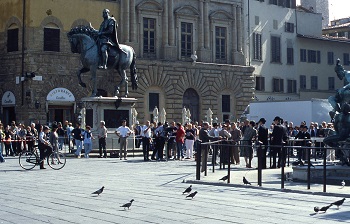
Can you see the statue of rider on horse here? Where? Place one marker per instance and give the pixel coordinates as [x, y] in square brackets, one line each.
[99, 48]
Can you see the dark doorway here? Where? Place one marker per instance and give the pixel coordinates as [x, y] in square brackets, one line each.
[60, 113]
[8, 115]
[191, 101]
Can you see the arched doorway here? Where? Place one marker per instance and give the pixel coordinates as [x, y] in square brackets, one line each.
[191, 101]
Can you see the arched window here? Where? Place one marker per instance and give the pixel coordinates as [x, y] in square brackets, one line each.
[12, 38]
[191, 102]
[51, 37]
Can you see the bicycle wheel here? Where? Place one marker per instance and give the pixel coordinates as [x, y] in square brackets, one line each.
[27, 160]
[56, 160]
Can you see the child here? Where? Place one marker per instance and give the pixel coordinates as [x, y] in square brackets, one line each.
[87, 141]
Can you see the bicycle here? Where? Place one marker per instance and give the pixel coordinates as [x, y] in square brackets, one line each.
[29, 159]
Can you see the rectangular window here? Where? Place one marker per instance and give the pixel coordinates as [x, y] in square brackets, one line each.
[289, 27]
[318, 57]
[275, 49]
[303, 55]
[149, 31]
[186, 39]
[346, 59]
[273, 2]
[278, 85]
[330, 56]
[331, 83]
[302, 82]
[281, 3]
[292, 86]
[288, 4]
[260, 83]
[12, 40]
[257, 55]
[226, 104]
[153, 101]
[290, 56]
[311, 56]
[51, 39]
[257, 20]
[314, 82]
[220, 44]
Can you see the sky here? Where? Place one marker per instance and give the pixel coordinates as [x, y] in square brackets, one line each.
[337, 9]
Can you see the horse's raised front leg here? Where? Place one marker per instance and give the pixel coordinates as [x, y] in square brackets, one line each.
[83, 70]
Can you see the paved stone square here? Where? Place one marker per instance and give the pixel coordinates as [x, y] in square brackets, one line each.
[64, 196]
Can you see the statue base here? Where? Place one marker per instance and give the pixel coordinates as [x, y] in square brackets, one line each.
[111, 110]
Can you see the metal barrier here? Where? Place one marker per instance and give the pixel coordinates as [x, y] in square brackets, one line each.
[285, 154]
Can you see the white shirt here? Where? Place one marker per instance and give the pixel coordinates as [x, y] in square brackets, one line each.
[148, 132]
[123, 131]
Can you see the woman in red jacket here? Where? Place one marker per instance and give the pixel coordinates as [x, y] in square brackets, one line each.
[180, 135]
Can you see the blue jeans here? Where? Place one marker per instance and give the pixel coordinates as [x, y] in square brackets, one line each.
[180, 150]
[1, 157]
[88, 149]
[79, 145]
[60, 142]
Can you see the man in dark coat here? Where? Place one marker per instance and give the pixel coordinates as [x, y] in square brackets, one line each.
[205, 137]
[277, 136]
[263, 134]
[107, 36]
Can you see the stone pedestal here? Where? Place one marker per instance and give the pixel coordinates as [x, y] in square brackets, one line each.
[112, 110]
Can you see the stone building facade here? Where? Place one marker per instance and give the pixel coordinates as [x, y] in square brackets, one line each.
[38, 71]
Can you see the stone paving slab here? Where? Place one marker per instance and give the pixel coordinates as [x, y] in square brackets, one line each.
[64, 196]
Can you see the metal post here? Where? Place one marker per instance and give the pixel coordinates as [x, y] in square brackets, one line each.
[308, 168]
[282, 166]
[324, 169]
[260, 165]
[213, 158]
[198, 160]
[229, 164]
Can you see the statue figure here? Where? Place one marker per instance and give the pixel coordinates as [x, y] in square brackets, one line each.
[209, 116]
[183, 115]
[134, 115]
[155, 114]
[107, 36]
[85, 40]
[162, 116]
[188, 115]
[340, 114]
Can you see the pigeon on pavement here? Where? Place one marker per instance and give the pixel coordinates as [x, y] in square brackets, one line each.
[245, 181]
[127, 205]
[188, 190]
[99, 191]
[323, 209]
[224, 178]
[192, 195]
[343, 184]
[338, 203]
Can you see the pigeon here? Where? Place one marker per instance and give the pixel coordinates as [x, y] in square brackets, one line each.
[99, 191]
[127, 205]
[343, 184]
[192, 195]
[188, 190]
[224, 178]
[323, 209]
[245, 181]
[338, 203]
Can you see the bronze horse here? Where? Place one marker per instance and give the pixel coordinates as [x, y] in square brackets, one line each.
[83, 40]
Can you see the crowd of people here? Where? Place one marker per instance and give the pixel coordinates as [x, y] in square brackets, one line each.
[180, 139]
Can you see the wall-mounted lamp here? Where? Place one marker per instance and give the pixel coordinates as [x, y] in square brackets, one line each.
[37, 104]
